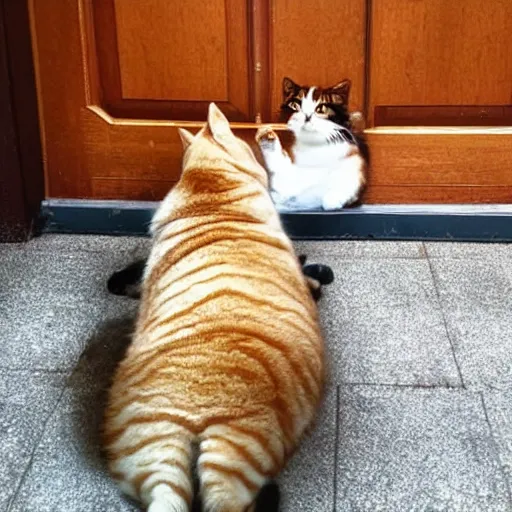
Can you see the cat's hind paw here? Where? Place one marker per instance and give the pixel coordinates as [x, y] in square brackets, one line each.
[332, 202]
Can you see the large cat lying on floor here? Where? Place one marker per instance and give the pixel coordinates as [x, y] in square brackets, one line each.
[225, 371]
[328, 161]
[128, 281]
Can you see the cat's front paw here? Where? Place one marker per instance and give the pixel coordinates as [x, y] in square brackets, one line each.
[266, 138]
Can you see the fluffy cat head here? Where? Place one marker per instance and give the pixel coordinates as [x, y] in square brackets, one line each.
[317, 115]
[220, 177]
[330, 102]
[216, 146]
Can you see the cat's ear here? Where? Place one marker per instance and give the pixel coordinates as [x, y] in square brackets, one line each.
[186, 137]
[342, 90]
[289, 87]
[218, 123]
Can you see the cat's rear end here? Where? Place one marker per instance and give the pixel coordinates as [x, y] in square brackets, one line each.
[225, 371]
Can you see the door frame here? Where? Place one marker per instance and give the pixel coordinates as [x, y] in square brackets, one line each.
[21, 162]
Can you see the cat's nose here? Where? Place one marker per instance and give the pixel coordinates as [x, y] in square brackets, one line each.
[308, 118]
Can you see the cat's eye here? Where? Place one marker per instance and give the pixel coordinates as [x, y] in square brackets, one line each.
[321, 109]
[294, 105]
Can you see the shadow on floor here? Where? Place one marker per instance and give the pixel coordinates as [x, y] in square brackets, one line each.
[90, 383]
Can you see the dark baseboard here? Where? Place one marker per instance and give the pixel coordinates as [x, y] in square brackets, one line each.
[482, 223]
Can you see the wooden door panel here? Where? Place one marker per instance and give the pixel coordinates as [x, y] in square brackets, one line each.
[136, 189]
[167, 60]
[146, 153]
[445, 194]
[442, 157]
[109, 131]
[318, 43]
[438, 54]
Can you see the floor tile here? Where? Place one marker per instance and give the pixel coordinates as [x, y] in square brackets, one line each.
[458, 250]
[59, 277]
[401, 446]
[87, 243]
[499, 411]
[382, 324]
[416, 450]
[68, 471]
[38, 335]
[307, 484]
[26, 400]
[476, 297]
[355, 249]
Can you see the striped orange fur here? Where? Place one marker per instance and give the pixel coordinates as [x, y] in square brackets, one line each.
[225, 371]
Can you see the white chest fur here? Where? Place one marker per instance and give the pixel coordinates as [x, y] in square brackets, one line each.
[326, 178]
[320, 155]
[321, 176]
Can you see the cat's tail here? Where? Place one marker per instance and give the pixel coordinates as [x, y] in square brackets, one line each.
[234, 472]
[215, 486]
[165, 499]
[267, 500]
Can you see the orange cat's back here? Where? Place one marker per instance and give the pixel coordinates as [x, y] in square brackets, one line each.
[225, 371]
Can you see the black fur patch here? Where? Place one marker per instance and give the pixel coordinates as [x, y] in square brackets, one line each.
[321, 273]
[340, 116]
[268, 498]
[128, 280]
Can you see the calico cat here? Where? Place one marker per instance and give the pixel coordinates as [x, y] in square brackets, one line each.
[128, 281]
[226, 368]
[327, 166]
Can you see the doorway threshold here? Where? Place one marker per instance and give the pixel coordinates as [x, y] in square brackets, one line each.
[479, 223]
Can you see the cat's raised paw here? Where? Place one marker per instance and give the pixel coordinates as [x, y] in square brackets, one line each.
[357, 122]
[266, 137]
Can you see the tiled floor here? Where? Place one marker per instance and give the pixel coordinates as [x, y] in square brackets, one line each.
[418, 415]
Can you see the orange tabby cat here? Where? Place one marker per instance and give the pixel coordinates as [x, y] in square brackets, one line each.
[225, 371]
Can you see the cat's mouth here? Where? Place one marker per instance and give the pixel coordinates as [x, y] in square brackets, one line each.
[305, 127]
[308, 127]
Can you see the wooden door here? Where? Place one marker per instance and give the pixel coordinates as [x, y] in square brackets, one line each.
[117, 77]
[439, 99]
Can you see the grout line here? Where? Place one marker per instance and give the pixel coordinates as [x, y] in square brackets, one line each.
[401, 386]
[336, 447]
[424, 251]
[496, 447]
[364, 257]
[339, 257]
[37, 443]
[445, 322]
[55, 371]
